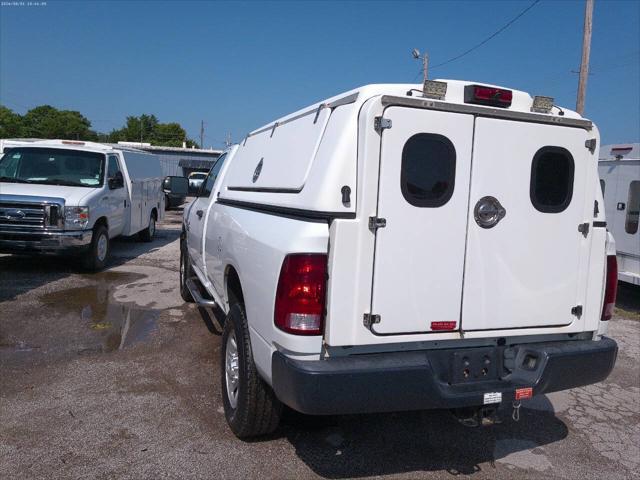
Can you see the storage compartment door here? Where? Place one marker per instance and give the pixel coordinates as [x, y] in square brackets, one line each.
[526, 259]
[136, 207]
[423, 197]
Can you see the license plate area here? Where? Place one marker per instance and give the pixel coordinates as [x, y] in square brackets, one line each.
[473, 365]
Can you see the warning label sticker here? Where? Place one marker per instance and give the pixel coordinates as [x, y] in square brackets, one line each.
[492, 397]
[523, 393]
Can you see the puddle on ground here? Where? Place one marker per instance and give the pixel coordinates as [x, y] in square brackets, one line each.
[110, 325]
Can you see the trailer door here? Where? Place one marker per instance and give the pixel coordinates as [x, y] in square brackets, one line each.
[525, 254]
[423, 195]
[627, 208]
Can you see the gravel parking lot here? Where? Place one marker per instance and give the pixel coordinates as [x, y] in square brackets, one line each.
[111, 375]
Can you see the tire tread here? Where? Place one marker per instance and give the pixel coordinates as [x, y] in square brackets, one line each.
[258, 410]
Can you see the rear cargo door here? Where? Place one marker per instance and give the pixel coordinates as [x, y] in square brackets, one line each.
[525, 252]
[627, 208]
[423, 198]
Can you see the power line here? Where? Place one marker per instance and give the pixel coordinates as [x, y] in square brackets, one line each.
[493, 35]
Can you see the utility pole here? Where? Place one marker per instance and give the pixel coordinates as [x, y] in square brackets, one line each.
[586, 50]
[425, 66]
[227, 140]
[201, 134]
[425, 63]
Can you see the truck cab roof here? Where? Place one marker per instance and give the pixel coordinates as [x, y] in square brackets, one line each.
[69, 145]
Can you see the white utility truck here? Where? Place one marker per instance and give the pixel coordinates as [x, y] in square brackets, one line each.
[63, 196]
[619, 169]
[398, 248]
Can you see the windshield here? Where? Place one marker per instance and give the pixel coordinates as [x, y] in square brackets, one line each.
[52, 166]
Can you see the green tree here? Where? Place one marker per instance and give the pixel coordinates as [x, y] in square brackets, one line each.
[168, 134]
[136, 129]
[10, 123]
[46, 121]
[146, 128]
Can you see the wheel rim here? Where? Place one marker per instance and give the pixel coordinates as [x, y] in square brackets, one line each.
[232, 370]
[101, 249]
[152, 226]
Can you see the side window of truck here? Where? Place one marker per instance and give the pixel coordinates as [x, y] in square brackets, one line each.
[428, 172]
[114, 166]
[210, 181]
[551, 185]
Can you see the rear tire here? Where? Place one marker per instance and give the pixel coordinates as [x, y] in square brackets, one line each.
[250, 405]
[148, 233]
[185, 272]
[95, 259]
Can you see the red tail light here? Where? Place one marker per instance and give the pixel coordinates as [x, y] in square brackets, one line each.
[611, 289]
[301, 294]
[496, 97]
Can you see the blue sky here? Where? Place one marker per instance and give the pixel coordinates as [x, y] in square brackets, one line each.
[240, 65]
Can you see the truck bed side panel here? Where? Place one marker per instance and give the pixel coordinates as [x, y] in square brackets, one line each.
[255, 243]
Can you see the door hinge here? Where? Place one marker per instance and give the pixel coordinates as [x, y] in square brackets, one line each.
[370, 319]
[376, 222]
[583, 228]
[591, 144]
[380, 123]
[577, 311]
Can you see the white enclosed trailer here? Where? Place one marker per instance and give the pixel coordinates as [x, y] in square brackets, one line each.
[619, 168]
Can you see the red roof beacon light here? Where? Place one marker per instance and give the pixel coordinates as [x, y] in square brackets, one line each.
[492, 96]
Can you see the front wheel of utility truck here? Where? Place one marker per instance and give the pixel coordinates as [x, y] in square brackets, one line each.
[250, 406]
[95, 258]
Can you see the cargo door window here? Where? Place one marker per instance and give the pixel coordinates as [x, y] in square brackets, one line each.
[428, 170]
[551, 185]
[633, 208]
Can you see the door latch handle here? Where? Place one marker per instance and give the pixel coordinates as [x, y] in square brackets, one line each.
[199, 213]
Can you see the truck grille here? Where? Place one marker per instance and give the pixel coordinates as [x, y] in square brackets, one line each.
[30, 215]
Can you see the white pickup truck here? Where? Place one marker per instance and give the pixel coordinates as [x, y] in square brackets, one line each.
[404, 247]
[71, 197]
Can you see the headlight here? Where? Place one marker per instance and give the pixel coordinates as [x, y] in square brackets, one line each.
[76, 217]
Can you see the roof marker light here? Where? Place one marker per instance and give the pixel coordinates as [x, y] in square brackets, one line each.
[492, 96]
[542, 104]
[435, 90]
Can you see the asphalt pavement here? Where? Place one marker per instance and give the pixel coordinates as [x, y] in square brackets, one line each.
[112, 375]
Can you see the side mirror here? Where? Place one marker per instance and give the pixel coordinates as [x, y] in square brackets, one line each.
[176, 185]
[117, 181]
